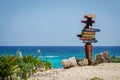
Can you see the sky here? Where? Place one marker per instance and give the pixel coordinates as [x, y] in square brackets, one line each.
[57, 22]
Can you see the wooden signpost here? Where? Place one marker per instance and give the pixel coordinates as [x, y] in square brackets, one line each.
[88, 36]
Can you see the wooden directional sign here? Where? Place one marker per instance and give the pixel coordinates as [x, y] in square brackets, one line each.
[89, 38]
[93, 30]
[88, 33]
[84, 21]
[90, 16]
[89, 41]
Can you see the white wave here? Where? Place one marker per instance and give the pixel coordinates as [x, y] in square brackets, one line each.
[38, 51]
[49, 56]
[117, 56]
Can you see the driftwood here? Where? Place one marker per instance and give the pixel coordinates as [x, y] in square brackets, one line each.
[102, 58]
[82, 62]
[71, 62]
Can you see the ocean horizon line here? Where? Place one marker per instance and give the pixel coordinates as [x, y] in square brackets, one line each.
[57, 46]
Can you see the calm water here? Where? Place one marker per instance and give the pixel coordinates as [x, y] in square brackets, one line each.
[56, 53]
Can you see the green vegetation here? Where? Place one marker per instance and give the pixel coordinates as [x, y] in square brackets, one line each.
[48, 65]
[23, 66]
[96, 78]
[115, 59]
[8, 66]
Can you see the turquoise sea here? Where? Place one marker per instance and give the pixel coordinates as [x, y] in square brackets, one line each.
[56, 53]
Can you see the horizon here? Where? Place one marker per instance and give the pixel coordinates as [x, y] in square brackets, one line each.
[58, 46]
[56, 23]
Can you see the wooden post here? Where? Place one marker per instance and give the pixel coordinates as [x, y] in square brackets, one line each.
[88, 37]
[88, 52]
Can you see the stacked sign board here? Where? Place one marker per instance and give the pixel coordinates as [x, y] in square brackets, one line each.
[88, 33]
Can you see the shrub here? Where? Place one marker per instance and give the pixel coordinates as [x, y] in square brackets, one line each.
[96, 78]
[21, 65]
[48, 65]
[8, 66]
[115, 59]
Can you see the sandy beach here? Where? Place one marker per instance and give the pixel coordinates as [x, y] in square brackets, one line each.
[106, 71]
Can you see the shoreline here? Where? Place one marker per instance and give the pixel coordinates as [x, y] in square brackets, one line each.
[105, 71]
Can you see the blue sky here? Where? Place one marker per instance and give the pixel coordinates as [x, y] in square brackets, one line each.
[57, 22]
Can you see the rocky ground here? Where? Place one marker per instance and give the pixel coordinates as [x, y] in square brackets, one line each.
[106, 71]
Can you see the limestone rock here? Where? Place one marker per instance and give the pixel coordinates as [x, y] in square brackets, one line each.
[102, 58]
[71, 62]
[66, 63]
[106, 56]
[82, 62]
